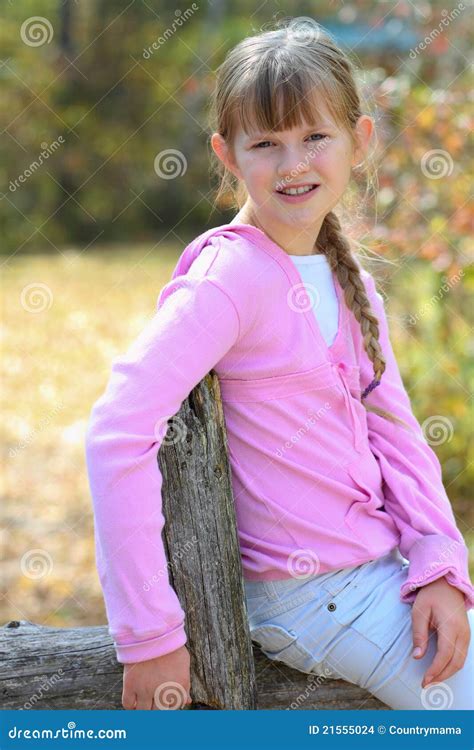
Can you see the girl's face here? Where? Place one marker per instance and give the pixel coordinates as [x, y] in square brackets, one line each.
[320, 154]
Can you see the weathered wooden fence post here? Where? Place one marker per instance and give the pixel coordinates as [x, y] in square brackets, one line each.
[59, 668]
[202, 547]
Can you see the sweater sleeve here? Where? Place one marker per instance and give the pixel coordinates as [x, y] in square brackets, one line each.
[413, 489]
[195, 324]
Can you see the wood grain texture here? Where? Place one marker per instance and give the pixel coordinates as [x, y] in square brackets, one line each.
[200, 520]
[76, 668]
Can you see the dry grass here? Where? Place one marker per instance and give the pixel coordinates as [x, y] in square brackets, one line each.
[56, 364]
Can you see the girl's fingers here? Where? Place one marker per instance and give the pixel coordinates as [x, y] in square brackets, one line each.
[420, 625]
[444, 654]
[128, 701]
[144, 702]
[456, 663]
[179, 705]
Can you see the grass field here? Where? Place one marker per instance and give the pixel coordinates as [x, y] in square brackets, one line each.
[64, 320]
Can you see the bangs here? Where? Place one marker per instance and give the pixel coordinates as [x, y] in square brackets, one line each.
[275, 100]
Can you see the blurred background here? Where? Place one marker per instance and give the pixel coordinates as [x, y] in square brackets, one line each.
[98, 100]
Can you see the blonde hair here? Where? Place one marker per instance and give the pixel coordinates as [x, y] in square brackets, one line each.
[268, 82]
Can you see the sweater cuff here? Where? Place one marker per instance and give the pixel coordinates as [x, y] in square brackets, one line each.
[433, 557]
[130, 653]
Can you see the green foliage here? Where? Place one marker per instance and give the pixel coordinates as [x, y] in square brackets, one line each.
[116, 107]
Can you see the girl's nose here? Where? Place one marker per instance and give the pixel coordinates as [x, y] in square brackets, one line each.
[294, 162]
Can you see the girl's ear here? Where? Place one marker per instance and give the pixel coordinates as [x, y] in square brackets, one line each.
[364, 129]
[222, 151]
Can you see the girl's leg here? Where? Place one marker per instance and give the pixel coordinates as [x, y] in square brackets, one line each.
[350, 624]
[375, 652]
[403, 690]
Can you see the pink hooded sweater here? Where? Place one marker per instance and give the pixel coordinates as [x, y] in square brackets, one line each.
[313, 472]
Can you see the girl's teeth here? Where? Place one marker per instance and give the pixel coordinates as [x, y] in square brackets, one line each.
[298, 191]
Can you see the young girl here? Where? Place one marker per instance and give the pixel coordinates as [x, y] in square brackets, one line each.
[354, 567]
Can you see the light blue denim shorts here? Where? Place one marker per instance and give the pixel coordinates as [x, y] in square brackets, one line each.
[350, 624]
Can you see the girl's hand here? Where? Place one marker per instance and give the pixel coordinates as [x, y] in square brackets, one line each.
[158, 684]
[441, 607]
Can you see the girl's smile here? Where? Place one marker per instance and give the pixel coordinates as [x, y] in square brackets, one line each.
[298, 198]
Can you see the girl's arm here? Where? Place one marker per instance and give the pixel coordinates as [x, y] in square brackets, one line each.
[196, 324]
[414, 493]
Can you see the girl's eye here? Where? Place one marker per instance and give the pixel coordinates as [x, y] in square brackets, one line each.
[258, 145]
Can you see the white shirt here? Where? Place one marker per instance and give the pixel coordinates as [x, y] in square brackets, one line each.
[317, 278]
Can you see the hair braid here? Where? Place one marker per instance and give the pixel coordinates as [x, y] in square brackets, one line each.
[336, 246]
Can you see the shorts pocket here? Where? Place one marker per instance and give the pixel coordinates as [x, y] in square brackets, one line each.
[255, 590]
[279, 601]
[346, 589]
[343, 578]
[256, 605]
[280, 644]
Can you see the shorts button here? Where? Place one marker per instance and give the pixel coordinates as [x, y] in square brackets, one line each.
[331, 606]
